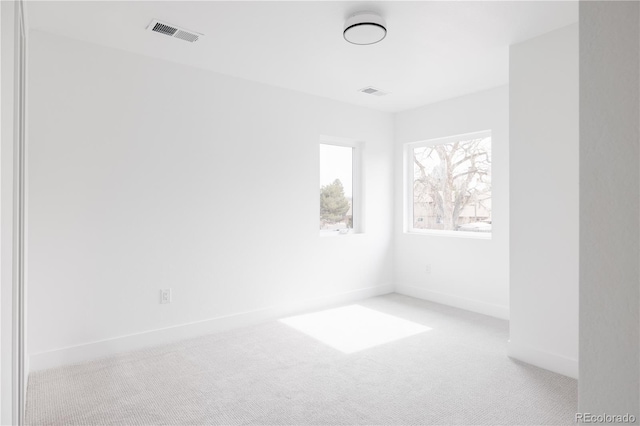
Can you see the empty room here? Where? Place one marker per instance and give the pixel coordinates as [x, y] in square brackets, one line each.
[319, 212]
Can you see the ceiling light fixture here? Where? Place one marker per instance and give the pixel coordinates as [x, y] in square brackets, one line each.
[365, 28]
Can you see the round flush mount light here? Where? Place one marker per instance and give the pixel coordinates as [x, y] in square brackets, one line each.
[365, 28]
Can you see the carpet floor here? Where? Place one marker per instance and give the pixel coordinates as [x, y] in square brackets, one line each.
[454, 373]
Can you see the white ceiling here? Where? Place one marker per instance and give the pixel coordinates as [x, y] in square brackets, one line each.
[433, 50]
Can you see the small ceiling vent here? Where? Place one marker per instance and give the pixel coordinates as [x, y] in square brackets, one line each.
[173, 31]
[373, 91]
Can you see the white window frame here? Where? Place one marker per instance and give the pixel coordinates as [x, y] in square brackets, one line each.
[357, 195]
[409, 184]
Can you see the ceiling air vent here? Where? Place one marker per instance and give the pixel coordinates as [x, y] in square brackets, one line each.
[373, 91]
[173, 31]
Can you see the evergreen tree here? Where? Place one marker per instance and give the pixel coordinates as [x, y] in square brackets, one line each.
[333, 204]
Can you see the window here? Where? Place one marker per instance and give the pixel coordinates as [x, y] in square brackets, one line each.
[449, 185]
[338, 187]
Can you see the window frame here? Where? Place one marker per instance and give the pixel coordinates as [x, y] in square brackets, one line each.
[357, 193]
[408, 185]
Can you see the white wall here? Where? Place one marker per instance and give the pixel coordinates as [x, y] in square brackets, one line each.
[543, 79]
[7, 14]
[147, 174]
[469, 273]
[609, 208]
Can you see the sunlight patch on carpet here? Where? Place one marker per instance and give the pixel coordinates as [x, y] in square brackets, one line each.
[354, 328]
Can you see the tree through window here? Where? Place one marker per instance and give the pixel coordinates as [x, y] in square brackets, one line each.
[451, 184]
[336, 188]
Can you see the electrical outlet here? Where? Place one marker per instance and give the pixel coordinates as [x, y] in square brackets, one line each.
[165, 296]
[427, 269]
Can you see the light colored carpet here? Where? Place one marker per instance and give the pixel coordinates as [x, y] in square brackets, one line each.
[457, 373]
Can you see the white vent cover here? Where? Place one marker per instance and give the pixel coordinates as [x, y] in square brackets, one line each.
[370, 90]
[173, 31]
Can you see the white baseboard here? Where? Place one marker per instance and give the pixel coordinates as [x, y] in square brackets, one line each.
[103, 348]
[549, 361]
[497, 311]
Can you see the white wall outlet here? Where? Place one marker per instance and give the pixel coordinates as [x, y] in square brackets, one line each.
[427, 269]
[165, 296]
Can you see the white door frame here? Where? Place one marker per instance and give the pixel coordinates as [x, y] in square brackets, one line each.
[19, 185]
[13, 369]
[20, 217]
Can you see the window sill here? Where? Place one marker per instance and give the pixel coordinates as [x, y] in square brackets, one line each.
[454, 234]
[338, 233]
